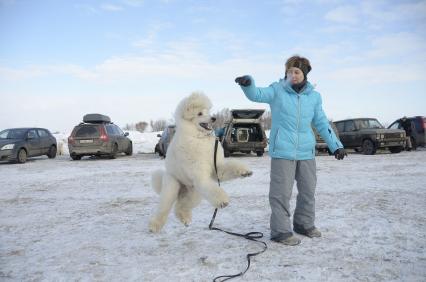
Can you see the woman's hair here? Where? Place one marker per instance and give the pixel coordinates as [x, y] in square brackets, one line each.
[299, 62]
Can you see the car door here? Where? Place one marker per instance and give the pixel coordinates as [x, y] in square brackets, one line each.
[342, 134]
[33, 143]
[44, 141]
[396, 125]
[122, 140]
[351, 135]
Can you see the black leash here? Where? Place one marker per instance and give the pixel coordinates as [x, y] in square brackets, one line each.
[252, 236]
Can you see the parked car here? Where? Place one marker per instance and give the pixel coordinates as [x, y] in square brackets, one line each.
[98, 136]
[18, 144]
[418, 137]
[164, 141]
[244, 133]
[367, 135]
[320, 145]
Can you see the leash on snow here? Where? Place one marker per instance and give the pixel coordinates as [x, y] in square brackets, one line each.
[252, 236]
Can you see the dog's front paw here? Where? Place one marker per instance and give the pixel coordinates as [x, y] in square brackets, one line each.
[155, 225]
[221, 199]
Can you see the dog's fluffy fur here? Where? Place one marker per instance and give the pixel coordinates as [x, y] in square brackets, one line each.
[190, 174]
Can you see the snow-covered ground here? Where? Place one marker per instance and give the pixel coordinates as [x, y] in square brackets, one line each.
[63, 220]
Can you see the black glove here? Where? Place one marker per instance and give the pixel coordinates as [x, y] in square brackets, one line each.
[243, 80]
[340, 154]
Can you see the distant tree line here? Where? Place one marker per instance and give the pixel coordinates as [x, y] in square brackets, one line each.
[222, 117]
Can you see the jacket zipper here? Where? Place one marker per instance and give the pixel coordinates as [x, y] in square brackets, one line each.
[298, 122]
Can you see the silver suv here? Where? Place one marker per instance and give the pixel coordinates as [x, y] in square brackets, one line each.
[243, 133]
[98, 136]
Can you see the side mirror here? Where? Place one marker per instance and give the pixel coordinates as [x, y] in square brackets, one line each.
[126, 133]
[158, 135]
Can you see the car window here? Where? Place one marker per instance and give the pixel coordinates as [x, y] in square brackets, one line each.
[165, 134]
[417, 124]
[368, 123]
[111, 130]
[32, 134]
[91, 131]
[118, 130]
[340, 126]
[172, 131]
[349, 126]
[373, 123]
[13, 133]
[4, 134]
[42, 133]
[395, 125]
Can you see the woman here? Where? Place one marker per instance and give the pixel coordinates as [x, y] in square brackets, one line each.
[295, 107]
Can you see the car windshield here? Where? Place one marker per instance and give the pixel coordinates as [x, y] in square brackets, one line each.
[13, 134]
[368, 123]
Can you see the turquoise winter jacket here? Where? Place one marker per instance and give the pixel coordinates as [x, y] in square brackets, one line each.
[293, 115]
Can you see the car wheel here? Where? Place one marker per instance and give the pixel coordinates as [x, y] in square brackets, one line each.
[52, 152]
[22, 156]
[368, 147]
[129, 151]
[76, 157]
[114, 151]
[395, 150]
[259, 153]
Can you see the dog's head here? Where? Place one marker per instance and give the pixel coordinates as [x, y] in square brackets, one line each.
[195, 109]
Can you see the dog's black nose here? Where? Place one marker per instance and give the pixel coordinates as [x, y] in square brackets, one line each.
[213, 119]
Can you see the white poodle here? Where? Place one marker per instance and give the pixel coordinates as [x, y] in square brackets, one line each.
[190, 174]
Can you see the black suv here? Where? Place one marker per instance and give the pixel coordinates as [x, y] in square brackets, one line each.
[244, 133]
[17, 144]
[98, 136]
[418, 134]
[367, 135]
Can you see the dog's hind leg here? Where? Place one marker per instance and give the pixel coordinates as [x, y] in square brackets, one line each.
[187, 200]
[168, 195]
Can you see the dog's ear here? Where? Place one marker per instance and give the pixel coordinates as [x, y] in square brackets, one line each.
[189, 111]
[193, 104]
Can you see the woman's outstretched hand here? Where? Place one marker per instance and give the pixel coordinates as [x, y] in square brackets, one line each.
[340, 154]
[243, 80]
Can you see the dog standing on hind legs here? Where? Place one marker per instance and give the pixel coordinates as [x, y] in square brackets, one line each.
[190, 174]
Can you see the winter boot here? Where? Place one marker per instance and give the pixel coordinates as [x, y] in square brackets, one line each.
[312, 232]
[289, 241]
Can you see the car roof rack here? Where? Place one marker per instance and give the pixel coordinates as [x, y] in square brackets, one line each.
[96, 118]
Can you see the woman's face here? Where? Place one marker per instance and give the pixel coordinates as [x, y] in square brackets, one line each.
[295, 75]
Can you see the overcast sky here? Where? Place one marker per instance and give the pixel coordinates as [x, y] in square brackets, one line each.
[134, 60]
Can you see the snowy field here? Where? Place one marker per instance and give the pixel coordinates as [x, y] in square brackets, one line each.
[63, 220]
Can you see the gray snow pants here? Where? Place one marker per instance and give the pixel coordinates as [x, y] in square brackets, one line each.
[283, 174]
